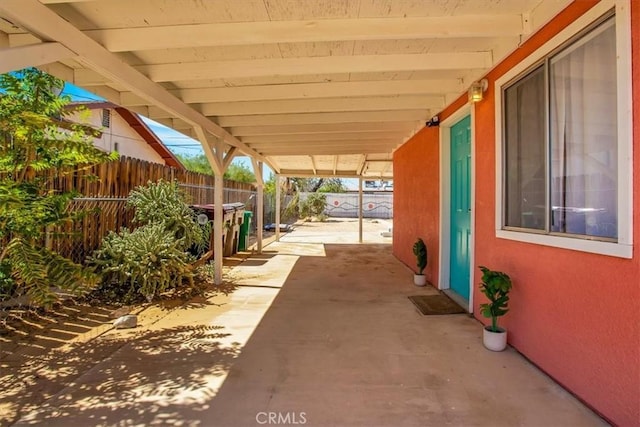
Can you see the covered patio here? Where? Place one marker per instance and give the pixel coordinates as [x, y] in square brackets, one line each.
[316, 332]
[354, 89]
[324, 88]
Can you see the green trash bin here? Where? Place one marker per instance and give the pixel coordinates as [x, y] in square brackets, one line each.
[243, 239]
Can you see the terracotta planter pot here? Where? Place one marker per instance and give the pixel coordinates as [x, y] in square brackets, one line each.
[494, 341]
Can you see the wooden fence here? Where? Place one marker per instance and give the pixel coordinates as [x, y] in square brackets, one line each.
[104, 190]
[116, 180]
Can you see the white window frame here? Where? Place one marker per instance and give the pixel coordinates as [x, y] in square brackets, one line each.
[623, 248]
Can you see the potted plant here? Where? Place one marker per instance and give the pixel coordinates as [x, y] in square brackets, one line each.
[420, 251]
[495, 286]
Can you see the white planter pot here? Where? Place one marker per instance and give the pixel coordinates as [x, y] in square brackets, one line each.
[419, 279]
[494, 341]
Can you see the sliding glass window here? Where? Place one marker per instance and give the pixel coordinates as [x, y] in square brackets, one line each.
[560, 141]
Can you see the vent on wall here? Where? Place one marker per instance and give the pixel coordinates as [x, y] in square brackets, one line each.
[106, 118]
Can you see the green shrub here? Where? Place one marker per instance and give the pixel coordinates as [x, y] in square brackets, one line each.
[313, 205]
[323, 217]
[7, 284]
[37, 144]
[155, 256]
[147, 261]
[163, 203]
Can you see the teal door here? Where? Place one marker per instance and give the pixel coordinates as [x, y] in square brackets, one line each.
[460, 207]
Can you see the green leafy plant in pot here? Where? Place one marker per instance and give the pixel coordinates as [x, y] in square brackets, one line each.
[420, 251]
[495, 286]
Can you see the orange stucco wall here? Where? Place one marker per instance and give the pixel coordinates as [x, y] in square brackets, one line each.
[415, 202]
[576, 315]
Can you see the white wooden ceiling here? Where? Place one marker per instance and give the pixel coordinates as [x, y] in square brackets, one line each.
[325, 87]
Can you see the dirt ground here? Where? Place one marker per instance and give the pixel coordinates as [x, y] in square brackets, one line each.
[43, 352]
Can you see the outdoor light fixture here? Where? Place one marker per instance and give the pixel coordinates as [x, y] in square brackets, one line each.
[434, 121]
[477, 89]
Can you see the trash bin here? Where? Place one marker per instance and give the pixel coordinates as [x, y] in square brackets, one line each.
[245, 228]
[233, 228]
[229, 223]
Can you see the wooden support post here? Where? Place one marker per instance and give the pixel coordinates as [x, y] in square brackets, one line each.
[360, 210]
[218, 211]
[218, 228]
[214, 150]
[260, 215]
[258, 171]
[278, 193]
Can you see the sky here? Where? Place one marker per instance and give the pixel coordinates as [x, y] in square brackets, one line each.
[174, 140]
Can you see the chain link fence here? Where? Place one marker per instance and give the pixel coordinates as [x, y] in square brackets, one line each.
[102, 215]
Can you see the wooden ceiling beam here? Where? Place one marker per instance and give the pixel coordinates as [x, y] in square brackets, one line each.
[17, 58]
[260, 68]
[320, 173]
[404, 102]
[317, 65]
[315, 118]
[63, 1]
[308, 91]
[321, 30]
[319, 137]
[246, 68]
[340, 143]
[323, 128]
[329, 151]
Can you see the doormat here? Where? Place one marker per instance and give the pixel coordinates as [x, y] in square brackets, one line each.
[430, 305]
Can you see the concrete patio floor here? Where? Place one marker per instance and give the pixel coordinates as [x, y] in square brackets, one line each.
[315, 334]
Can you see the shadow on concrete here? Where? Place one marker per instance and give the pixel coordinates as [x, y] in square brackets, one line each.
[162, 375]
[55, 353]
[32, 331]
[255, 262]
[340, 345]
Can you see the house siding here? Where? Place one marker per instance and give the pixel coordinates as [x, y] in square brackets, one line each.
[574, 314]
[130, 143]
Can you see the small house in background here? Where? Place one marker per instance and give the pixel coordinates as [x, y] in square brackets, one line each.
[378, 185]
[125, 132]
